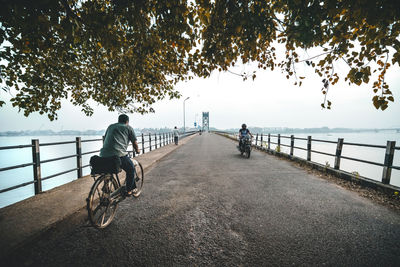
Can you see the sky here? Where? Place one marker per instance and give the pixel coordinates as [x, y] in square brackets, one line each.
[269, 101]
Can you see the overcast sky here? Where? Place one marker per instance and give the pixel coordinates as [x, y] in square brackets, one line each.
[269, 101]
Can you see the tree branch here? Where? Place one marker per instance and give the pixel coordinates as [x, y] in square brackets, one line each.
[303, 60]
[69, 11]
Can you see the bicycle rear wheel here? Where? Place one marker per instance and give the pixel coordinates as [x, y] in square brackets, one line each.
[139, 178]
[101, 206]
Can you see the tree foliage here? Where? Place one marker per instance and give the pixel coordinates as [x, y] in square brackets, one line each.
[122, 54]
[128, 54]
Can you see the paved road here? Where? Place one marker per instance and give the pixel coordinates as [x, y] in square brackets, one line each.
[205, 205]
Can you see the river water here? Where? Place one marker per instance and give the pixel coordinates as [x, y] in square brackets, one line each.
[20, 156]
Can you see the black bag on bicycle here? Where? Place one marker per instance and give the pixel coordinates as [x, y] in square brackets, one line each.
[105, 165]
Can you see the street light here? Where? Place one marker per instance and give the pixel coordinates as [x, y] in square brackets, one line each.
[184, 122]
[195, 119]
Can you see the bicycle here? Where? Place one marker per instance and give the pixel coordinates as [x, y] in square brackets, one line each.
[107, 190]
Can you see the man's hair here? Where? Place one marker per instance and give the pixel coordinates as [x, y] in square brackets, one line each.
[123, 118]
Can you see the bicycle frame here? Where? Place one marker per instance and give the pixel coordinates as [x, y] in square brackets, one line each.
[106, 192]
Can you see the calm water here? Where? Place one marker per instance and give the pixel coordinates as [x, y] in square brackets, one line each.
[11, 157]
[22, 175]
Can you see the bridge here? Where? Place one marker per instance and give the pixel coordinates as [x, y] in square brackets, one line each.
[204, 204]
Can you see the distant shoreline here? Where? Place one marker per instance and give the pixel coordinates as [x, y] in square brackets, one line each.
[76, 133]
[272, 130]
[279, 130]
[50, 133]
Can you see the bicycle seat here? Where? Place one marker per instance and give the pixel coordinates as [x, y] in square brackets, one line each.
[102, 165]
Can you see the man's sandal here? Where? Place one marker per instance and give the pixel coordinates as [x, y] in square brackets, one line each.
[132, 192]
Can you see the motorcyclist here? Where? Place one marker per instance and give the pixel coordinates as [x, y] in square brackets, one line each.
[243, 132]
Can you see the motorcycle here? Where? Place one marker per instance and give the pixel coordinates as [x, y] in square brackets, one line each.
[245, 146]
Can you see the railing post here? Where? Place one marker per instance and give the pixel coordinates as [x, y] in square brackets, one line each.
[309, 148]
[155, 140]
[269, 141]
[104, 138]
[261, 140]
[279, 140]
[291, 145]
[338, 153]
[387, 169]
[163, 136]
[37, 175]
[256, 139]
[142, 143]
[150, 141]
[79, 157]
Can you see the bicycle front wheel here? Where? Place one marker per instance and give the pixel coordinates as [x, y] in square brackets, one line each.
[139, 177]
[101, 206]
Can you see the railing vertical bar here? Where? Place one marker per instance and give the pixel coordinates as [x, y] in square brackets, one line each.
[291, 145]
[269, 141]
[143, 144]
[79, 157]
[389, 155]
[309, 148]
[262, 140]
[37, 175]
[256, 139]
[150, 141]
[279, 140]
[155, 141]
[338, 153]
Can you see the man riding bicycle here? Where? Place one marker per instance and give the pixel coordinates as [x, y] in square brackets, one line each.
[243, 133]
[117, 138]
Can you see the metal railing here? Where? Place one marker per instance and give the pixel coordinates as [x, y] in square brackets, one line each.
[264, 141]
[146, 143]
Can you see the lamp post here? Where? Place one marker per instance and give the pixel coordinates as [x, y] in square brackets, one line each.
[195, 119]
[184, 122]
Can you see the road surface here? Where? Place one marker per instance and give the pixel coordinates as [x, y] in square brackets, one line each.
[205, 205]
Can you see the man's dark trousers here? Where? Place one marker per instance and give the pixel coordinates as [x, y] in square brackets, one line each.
[129, 168]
